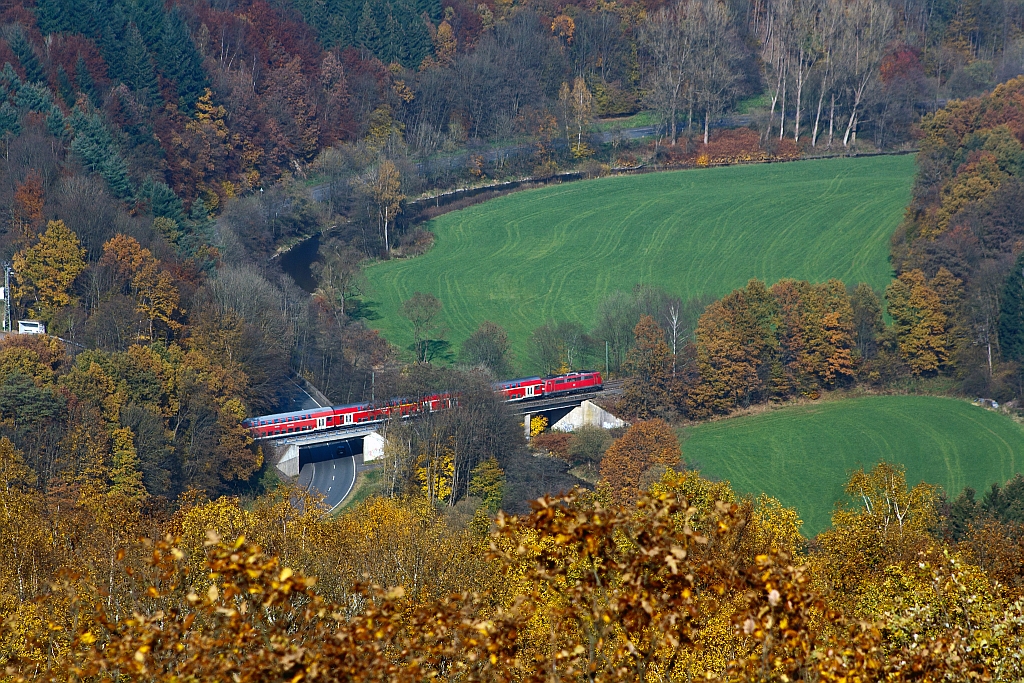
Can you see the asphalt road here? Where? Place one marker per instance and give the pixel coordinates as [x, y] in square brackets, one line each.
[333, 479]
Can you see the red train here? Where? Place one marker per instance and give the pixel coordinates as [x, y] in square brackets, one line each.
[340, 416]
[528, 388]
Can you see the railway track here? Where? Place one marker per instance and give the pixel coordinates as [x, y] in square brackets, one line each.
[611, 388]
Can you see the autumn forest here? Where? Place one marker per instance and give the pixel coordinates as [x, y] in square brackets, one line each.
[162, 160]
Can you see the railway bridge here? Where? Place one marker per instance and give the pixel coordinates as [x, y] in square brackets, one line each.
[326, 462]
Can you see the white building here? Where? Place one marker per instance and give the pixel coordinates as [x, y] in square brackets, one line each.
[31, 327]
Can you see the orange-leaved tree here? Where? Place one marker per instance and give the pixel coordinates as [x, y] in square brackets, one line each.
[153, 289]
[646, 391]
[643, 446]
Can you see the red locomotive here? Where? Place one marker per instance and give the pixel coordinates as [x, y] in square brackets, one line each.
[529, 388]
[536, 387]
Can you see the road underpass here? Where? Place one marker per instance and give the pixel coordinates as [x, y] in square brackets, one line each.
[327, 462]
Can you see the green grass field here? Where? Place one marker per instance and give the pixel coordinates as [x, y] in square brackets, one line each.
[803, 454]
[554, 253]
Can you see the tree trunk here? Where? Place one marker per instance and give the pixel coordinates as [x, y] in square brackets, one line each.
[852, 123]
[849, 125]
[817, 116]
[799, 96]
[775, 100]
[831, 120]
[672, 122]
[782, 112]
[707, 117]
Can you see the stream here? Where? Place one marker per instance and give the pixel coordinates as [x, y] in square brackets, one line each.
[297, 261]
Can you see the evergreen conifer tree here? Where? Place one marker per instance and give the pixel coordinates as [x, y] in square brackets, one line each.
[180, 61]
[33, 97]
[1011, 314]
[392, 40]
[98, 150]
[83, 79]
[138, 67]
[9, 81]
[8, 119]
[148, 16]
[87, 17]
[54, 16]
[338, 30]
[55, 122]
[162, 200]
[112, 44]
[67, 91]
[368, 32]
[26, 55]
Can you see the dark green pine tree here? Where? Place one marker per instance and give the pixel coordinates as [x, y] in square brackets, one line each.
[8, 119]
[138, 130]
[83, 79]
[26, 55]
[54, 16]
[87, 18]
[1011, 314]
[10, 84]
[416, 43]
[148, 16]
[432, 8]
[368, 34]
[99, 152]
[112, 43]
[340, 30]
[67, 91]
[392, 47]
[162, 201]
[314, 13]
[180, 61]
[139, 74]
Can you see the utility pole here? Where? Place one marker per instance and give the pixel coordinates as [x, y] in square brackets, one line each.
[7, 297]
[606, 358]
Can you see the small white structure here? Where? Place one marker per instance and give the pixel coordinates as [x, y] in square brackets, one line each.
[373, 447]
[31, 327]
[587, 413]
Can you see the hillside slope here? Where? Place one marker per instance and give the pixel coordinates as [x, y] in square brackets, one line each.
[556, 252]
[802, 455]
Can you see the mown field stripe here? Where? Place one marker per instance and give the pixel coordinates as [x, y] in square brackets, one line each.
[556, 252]
[803, 455]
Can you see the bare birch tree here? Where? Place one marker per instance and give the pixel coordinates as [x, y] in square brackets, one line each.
[868, 27]
[826, 35]
[667, 42]
[382, 186]
[774, 18]
[714, 75]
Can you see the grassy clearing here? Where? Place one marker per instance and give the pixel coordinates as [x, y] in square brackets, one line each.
[803, 454]
[554, 253]
[638, 120]
[367, 484]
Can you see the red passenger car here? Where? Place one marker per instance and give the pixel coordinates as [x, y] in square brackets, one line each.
[281, 424]
[521, 389]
